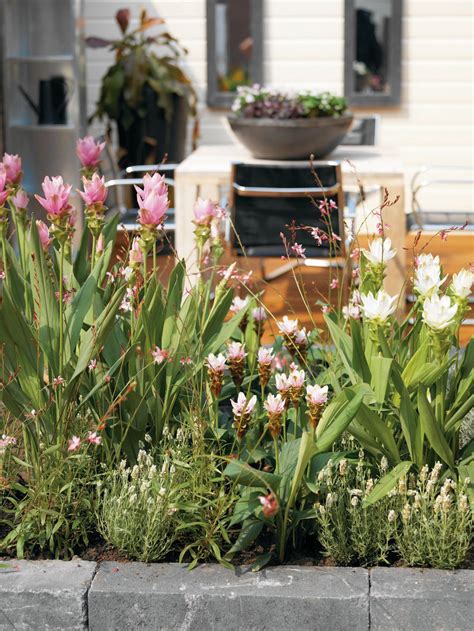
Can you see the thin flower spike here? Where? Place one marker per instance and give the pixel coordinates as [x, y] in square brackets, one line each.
[379, 251]
[439, 312]
[93, 438]
[378, 308]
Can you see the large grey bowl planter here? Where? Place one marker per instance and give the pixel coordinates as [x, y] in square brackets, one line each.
[292, 139]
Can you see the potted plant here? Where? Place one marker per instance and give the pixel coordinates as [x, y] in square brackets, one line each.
[146, 92]
[282, 126]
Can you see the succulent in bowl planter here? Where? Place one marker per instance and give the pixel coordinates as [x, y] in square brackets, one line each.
[146, 92]
[284, 126]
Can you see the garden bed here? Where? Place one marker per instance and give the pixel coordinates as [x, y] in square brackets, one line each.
[81, 594]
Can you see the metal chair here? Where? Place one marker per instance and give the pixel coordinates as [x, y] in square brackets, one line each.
[450, 179]
[266, 199]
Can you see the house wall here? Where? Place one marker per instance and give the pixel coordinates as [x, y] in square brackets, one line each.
[304, 48]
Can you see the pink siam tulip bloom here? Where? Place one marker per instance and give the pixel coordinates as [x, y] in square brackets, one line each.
[236, 351]
[216, 363]
[274, 404]
[135, 257]
[20, 199]
[204, 212]
[159, 355]
[12, 164]
[88, 151]
[74, 443]
[287, 326]
[269, 505]
[242, 407]
[238, 304]
[317, 395]
[296, 378]
[56, 197]
[3, 192]
[43, 232]
[155, 182]
[152, 209]
[93, 438]
[265, 355]
[301, 338]
[94, 190]
[259, 314]
[282, 383]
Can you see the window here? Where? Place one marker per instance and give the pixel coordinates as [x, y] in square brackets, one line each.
[234, 48]
[372, 71]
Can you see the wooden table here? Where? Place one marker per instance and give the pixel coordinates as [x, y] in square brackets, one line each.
[206, 173]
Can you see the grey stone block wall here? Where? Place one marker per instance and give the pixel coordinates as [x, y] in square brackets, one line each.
[170, 597]
[127, 596]
[44, 594]
[421, 600]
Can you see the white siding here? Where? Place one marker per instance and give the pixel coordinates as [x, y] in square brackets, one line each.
[304, 48]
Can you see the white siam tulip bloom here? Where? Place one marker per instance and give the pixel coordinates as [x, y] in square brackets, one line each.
[242, 406]
[216, 363]
[439, 312]
[296, 378]
[428, 261]
[282, 382]
[238, 304]
[317, 395]
[274, 404]
[428, 281]
[379, 307]
[379, 251]
[265, 355]
[462, 283]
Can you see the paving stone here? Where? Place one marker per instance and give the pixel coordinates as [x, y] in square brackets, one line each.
[44, 594]
[421, 600]
[210, 597]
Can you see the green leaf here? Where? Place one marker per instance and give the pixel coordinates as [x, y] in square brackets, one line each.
[333, 428]
[432, 429]
[387, 483]
[380, 368]
[247, 535]
[246, 475]
[261, 561]
[344, 347]
[376, 428]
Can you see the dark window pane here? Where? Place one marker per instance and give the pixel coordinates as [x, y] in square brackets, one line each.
[373, 29]
[233, 44]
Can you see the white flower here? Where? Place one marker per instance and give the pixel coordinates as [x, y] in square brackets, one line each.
[462, 282]
[379, 251]
[316, 394]
[238, 304]
[216, 363]
[438, 312]
[287, 326]
[428, 280]
[378, 307]
[427, 261]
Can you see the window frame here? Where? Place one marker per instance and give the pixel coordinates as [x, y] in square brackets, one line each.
[224, 100]
[395, 62]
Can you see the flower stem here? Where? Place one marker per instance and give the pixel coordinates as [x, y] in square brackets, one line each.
[61, 309]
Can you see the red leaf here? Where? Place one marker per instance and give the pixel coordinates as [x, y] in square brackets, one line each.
[98, 42]
[123, 18]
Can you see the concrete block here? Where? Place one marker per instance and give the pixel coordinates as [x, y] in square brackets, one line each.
[170, 597]
[421, 600]
[44, 594]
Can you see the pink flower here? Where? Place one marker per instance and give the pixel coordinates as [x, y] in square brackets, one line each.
[6, 441]
[58, 381]
[204, 212]
[296, 379]
[135, 256]
[12, 164]
[355, 254]
[299, 250]
[351, 311]
[88, 151]
[236, 351]
[318, 235]
[94, 190]
[325, 308]
[282, 383]
[56, 196]
[317, 395]
[216, 364]
[301, 337]
[259, 314]
[92, 365]
[238, 304]
[2, 275]
[186, 361]
[20, 199]
[242, 407]
[274, 404]
[287, 326]
[334, 284]
[43, 232]
[152, 208]
[74, 443]
[3, 178]
[159, 355]
[269, 505]
[155, 182]
[265, 356]
[93, 438]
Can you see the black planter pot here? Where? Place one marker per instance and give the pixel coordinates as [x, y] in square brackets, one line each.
[290, 139]
[149, 138]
